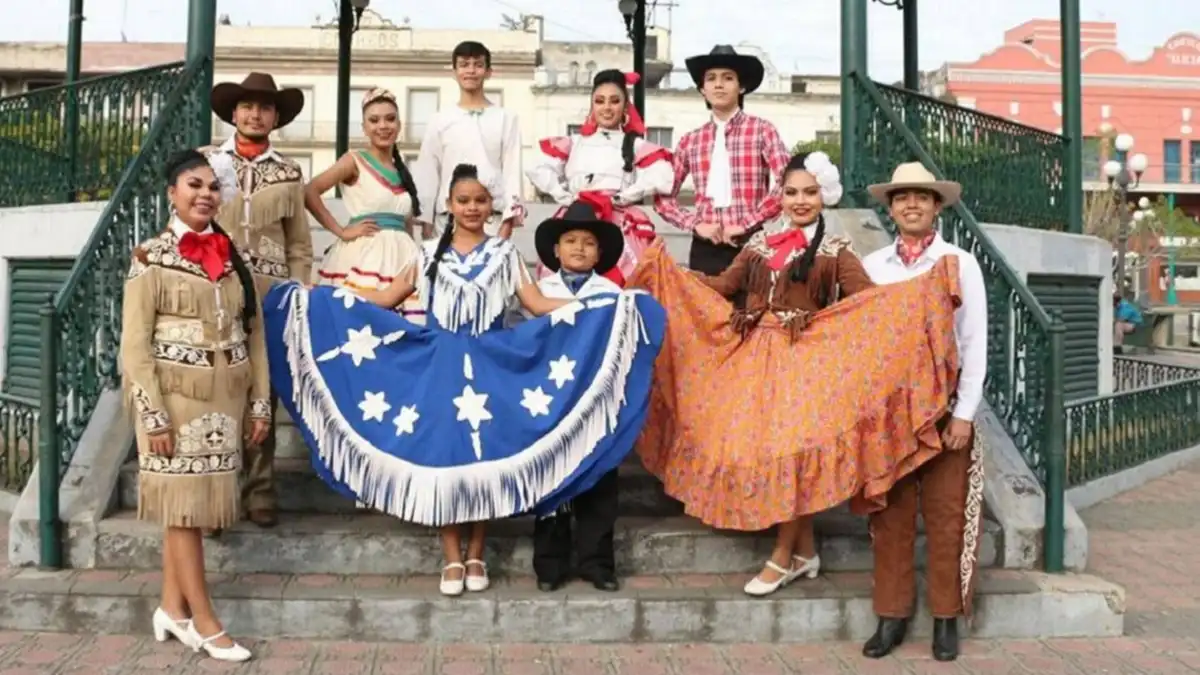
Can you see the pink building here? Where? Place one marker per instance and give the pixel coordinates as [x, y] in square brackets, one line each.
[1156, 100]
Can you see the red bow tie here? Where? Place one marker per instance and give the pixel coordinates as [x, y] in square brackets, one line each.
[209, 251]
[784, 243]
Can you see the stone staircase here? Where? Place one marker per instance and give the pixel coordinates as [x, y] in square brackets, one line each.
[331, 570]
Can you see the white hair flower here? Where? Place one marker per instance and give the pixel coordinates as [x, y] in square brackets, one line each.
[223, 169]
[829, 179]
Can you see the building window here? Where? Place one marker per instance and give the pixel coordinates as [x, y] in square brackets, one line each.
[496, 96]
[422, 106]
[1172, 161]
[356, 97]
[1194, 151]
[573, 73]
[1093, 156]
[829, 137]
[573, 129]
[591, 73]
[664, 136]
[301, 128]
[799, 86]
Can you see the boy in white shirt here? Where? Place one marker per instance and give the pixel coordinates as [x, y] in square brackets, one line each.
[474, 131]
[579, 247]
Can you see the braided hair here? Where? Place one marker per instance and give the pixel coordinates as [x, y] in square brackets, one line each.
[801, 266]
[186, 160]
[461, 172]
[617, 78]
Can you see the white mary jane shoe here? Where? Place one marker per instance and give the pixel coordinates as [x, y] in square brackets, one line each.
[233, 654]
[165, 628]
[758, 588]
[808, 568]
[452, 587]
[477, 584]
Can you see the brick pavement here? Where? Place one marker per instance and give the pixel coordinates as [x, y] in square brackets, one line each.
[1147, 540]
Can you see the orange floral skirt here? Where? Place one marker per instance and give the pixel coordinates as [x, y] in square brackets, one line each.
[752, 432]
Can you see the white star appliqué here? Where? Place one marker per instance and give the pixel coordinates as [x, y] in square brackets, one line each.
[566, 313]
[394, 336]
[562, 370]
[373, 406]
[472, 407]
[405, 422]
[360, 346]
[537, 402]
[347, 296]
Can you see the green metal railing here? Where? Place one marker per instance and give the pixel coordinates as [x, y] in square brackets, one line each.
[1025, 345]
[1013, 173]
[81, 325]
[1154, 412]
[18, 440]
[72, 142]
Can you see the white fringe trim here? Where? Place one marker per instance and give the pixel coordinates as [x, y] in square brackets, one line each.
[437, 496]
[456, 301]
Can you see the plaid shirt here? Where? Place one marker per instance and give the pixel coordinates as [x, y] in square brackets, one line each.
[756, 155]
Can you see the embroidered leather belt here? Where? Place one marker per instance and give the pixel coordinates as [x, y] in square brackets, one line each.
[268, 268]
[199, 357]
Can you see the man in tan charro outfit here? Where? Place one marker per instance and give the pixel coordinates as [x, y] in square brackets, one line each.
[267, 222]
[949, 487]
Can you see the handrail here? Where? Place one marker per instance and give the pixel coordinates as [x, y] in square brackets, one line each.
[1032, 131]
[1018, 285]
[46, 91]
[124, 189]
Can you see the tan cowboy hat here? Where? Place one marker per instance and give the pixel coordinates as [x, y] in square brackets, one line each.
[226, 96]
[915, 175]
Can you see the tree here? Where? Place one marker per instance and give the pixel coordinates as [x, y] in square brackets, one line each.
[829, 147]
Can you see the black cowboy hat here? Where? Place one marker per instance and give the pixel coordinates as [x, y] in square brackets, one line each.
[580, 215]
[226, 96]
[749, 69]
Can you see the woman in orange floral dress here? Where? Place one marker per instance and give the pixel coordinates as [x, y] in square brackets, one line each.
[822, 400]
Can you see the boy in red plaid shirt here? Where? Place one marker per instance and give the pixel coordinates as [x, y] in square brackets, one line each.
[732, 160]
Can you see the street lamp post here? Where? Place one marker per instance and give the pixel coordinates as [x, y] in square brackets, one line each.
[1121, 178]
[634, 12]
[350, 14]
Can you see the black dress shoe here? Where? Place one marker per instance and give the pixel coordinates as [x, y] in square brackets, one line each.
[888, 635]
[945, 639]
[548, 586]
[603, 582]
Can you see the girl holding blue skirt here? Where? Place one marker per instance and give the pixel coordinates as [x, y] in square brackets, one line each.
[462, 421]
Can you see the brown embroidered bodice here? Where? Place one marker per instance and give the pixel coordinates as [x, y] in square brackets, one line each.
[836, 272]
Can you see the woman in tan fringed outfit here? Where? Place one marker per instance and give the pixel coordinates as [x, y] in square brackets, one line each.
[193, 359]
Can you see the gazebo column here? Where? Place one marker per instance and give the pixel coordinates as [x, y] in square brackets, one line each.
[1072, 113]
[202, 44]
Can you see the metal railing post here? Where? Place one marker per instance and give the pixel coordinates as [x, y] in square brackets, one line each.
[1054, 527]
[49, 460]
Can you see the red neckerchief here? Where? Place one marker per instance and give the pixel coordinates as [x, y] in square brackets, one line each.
[250, 149]
[910, 252]
[209, 251]
[784, 243]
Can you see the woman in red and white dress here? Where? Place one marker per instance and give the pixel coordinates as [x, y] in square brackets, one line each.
[609, 164]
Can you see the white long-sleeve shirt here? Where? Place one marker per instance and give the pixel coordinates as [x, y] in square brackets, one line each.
[970, 320]
[489, 138]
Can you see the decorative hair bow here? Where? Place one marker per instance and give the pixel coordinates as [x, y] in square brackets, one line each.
[378, 94]
[633, 119]
[223, 169]
[827, 176]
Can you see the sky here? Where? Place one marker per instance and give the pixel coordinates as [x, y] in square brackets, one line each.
[807, 41]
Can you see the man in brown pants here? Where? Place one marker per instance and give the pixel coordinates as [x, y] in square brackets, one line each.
[268, 223]
[948, 489]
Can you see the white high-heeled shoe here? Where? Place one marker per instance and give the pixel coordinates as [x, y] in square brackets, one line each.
[758, 588]
[477, 584]
[808, 568]
[452, 587]
[234, 654]
[165, 627]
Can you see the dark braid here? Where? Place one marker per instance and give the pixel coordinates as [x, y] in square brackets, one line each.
[801, 267]
[627, 149]
[461, 172]
[406, 180]
[249, 296]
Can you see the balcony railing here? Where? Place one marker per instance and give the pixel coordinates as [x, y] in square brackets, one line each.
[321, 131]
[1155, 174]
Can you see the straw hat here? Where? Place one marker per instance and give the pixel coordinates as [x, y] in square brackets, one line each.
[914, 175]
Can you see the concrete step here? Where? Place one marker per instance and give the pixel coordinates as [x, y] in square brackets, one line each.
[375, 544]
[649, 609]
[300, 490]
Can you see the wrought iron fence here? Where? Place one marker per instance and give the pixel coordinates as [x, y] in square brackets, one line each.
[81, 325]
[1025, 344]
[72, 142]
[1011, 173]
[18, 441]
[1133, 373]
